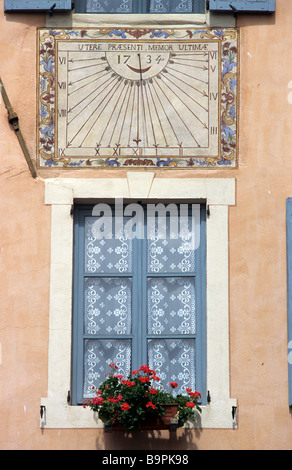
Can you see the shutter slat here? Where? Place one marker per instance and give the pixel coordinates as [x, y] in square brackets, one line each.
[289, 291]
[20, 5]
[243, 5]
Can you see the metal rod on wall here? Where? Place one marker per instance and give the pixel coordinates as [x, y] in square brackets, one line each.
[14, 121]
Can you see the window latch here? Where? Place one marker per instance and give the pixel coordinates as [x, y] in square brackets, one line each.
[208, 397]
[42, 411]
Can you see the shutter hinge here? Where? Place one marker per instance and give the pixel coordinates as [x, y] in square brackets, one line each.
[72, 211]
[51, 9]
[208, 211]
[234, 409]
[234, 9]
[69, 397]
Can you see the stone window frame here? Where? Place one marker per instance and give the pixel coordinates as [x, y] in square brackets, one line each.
[60, 194]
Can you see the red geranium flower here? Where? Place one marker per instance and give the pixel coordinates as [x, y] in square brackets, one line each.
[150, 405]
[125, 406]
[190, 404]
[144, 379]
[173, 384]
[145, 369]
[195, 394]
[97, 401]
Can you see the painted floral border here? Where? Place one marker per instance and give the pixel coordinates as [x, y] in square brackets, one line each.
[48, 158]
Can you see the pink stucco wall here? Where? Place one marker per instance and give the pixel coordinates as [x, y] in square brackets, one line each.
[258, 313]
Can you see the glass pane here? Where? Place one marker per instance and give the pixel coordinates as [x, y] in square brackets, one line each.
[171, 6]
[97, 357]
[108, 305]
[173, 361]
[172, 243]
[109, 6]
[106, 255]
[171, 306]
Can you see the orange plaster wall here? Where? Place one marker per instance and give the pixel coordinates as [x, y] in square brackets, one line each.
[258, 314]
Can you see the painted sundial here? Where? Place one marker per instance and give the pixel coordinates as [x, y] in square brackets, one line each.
[123, 98]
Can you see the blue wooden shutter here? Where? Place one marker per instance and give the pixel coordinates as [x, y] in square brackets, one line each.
[45, 5]
[243, 5]
[289, 291]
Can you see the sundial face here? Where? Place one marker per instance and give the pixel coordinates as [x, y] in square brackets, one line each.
[155, 100]
[137, 66]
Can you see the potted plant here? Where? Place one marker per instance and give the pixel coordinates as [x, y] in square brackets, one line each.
[140, 402]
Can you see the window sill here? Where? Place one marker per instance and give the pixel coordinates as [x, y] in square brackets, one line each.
[76, 20]
[56, 415]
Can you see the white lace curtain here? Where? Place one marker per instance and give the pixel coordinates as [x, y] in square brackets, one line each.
[127, 6]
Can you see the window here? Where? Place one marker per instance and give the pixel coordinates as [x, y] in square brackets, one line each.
[60, 194]
[140, 6]
[139, 298]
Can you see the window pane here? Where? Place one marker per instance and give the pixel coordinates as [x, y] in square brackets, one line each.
[108, 305]
[171, 6]
[98, 354]
[171, 306]
[106, 255]
[173, 360]
[109, 6]
[172, 249]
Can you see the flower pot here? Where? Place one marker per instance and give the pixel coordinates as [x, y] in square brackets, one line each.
[170, 412]
[167, 421]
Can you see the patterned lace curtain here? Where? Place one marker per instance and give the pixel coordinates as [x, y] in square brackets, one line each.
[107, 305]
[109, 6]
[168, 310]
[171, 6]
[171, 302]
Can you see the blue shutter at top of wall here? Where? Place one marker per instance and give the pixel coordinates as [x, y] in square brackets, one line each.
[264, 6]
[21, 5]
[289, 291]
